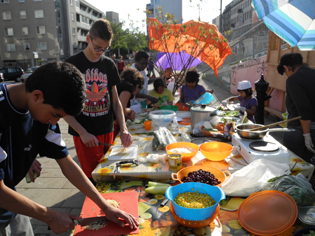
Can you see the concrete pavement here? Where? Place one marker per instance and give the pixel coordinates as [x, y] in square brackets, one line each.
[53, 190]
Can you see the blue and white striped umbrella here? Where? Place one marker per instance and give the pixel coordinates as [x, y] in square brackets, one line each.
[292, 20]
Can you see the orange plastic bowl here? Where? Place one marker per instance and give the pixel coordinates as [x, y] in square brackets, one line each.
[194, 223]
[216, 151]
[185, 156]
[216, 172]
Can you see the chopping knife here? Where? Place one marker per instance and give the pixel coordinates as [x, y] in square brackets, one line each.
[106, 144]
[90, 220]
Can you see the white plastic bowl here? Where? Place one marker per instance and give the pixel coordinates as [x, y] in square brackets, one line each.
[162, 117]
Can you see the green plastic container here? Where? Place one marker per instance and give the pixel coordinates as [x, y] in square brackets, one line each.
[170, 107]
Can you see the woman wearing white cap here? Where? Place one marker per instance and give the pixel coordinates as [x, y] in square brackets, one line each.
[248, 102]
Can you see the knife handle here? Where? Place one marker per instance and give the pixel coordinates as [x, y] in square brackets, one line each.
[76, 222]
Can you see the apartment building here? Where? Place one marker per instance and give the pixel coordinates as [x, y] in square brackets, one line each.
[175, 7]
[39, 31]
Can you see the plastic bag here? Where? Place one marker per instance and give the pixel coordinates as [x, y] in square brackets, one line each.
[253, 177]
[296, 187]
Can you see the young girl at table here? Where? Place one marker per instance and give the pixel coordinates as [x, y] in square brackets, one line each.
[248, 102]
[164, 95]
[191, 91]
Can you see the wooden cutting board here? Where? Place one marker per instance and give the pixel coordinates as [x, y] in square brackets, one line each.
[128, 202]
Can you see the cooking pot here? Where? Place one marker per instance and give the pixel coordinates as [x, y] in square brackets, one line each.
[243, 131]
[201, 113]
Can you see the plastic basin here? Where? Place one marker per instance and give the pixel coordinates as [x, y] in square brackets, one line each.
[185, 156]
[216, 172]
[194, 223]
[170, 107]
[195, 214]
[162, 117]
[216, 151]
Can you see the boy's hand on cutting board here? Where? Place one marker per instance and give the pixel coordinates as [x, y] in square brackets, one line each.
[113, 214]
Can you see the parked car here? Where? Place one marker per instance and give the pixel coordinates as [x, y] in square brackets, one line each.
[1, 77]
[28, 72]
[12, 73]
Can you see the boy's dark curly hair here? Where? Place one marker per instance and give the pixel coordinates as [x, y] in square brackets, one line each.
[132, 76]
[141, 55]
[62, 84]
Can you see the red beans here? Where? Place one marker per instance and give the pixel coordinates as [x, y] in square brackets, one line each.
[201, 176]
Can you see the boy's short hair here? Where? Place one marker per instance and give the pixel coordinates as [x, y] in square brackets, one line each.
[192, 76]
[101, 29]
[132, 76]
[141, 55]
[158, 83]
[62, 84]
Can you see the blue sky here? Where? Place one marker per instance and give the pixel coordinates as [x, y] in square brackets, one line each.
[135, 9]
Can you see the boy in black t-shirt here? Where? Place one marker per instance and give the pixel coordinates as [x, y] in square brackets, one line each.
[29, 113]
[95, 123]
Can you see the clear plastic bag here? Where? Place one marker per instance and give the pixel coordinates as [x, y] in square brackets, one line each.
[296, 187]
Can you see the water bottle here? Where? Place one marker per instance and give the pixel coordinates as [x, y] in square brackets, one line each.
[175, 126]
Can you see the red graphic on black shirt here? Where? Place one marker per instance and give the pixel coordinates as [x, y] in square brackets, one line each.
[97, 102]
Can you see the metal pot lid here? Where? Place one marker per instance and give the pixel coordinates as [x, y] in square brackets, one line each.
[203, 108]
[263, 146]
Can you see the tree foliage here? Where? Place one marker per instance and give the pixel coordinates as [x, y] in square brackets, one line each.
[129, 39]
[198, 39]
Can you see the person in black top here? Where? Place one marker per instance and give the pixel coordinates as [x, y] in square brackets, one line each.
[300, 101]
[132, 82]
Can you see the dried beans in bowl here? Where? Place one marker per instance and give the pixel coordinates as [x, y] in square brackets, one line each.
[201, 176]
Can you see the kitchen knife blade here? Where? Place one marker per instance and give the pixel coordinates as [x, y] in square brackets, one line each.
[106, 144]
[87, 221]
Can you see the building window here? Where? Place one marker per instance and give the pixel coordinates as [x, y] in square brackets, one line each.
[71, 2]
[77, 3]
[72, 16]
[157, 1]
[11, 47]
[21, 0]
[73, 31]
[42, 46]
[25, 30]
[39, 14]
[5, 1]
[6, 15]
[22, 14]
[40, 30]
[9, 31]
[37, 0]
[27, 46]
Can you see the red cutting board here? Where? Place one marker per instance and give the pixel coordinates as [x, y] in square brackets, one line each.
[128, 202]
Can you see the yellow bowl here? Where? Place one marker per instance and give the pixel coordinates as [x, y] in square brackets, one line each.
[185, 156]
[216, 151]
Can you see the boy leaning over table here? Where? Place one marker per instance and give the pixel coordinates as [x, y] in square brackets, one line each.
[29, 114]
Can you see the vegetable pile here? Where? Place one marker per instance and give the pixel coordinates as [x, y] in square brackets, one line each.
[201, 176]
[296, 187]
[162, 138]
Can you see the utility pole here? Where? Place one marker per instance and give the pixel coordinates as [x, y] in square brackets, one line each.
[221, 28]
